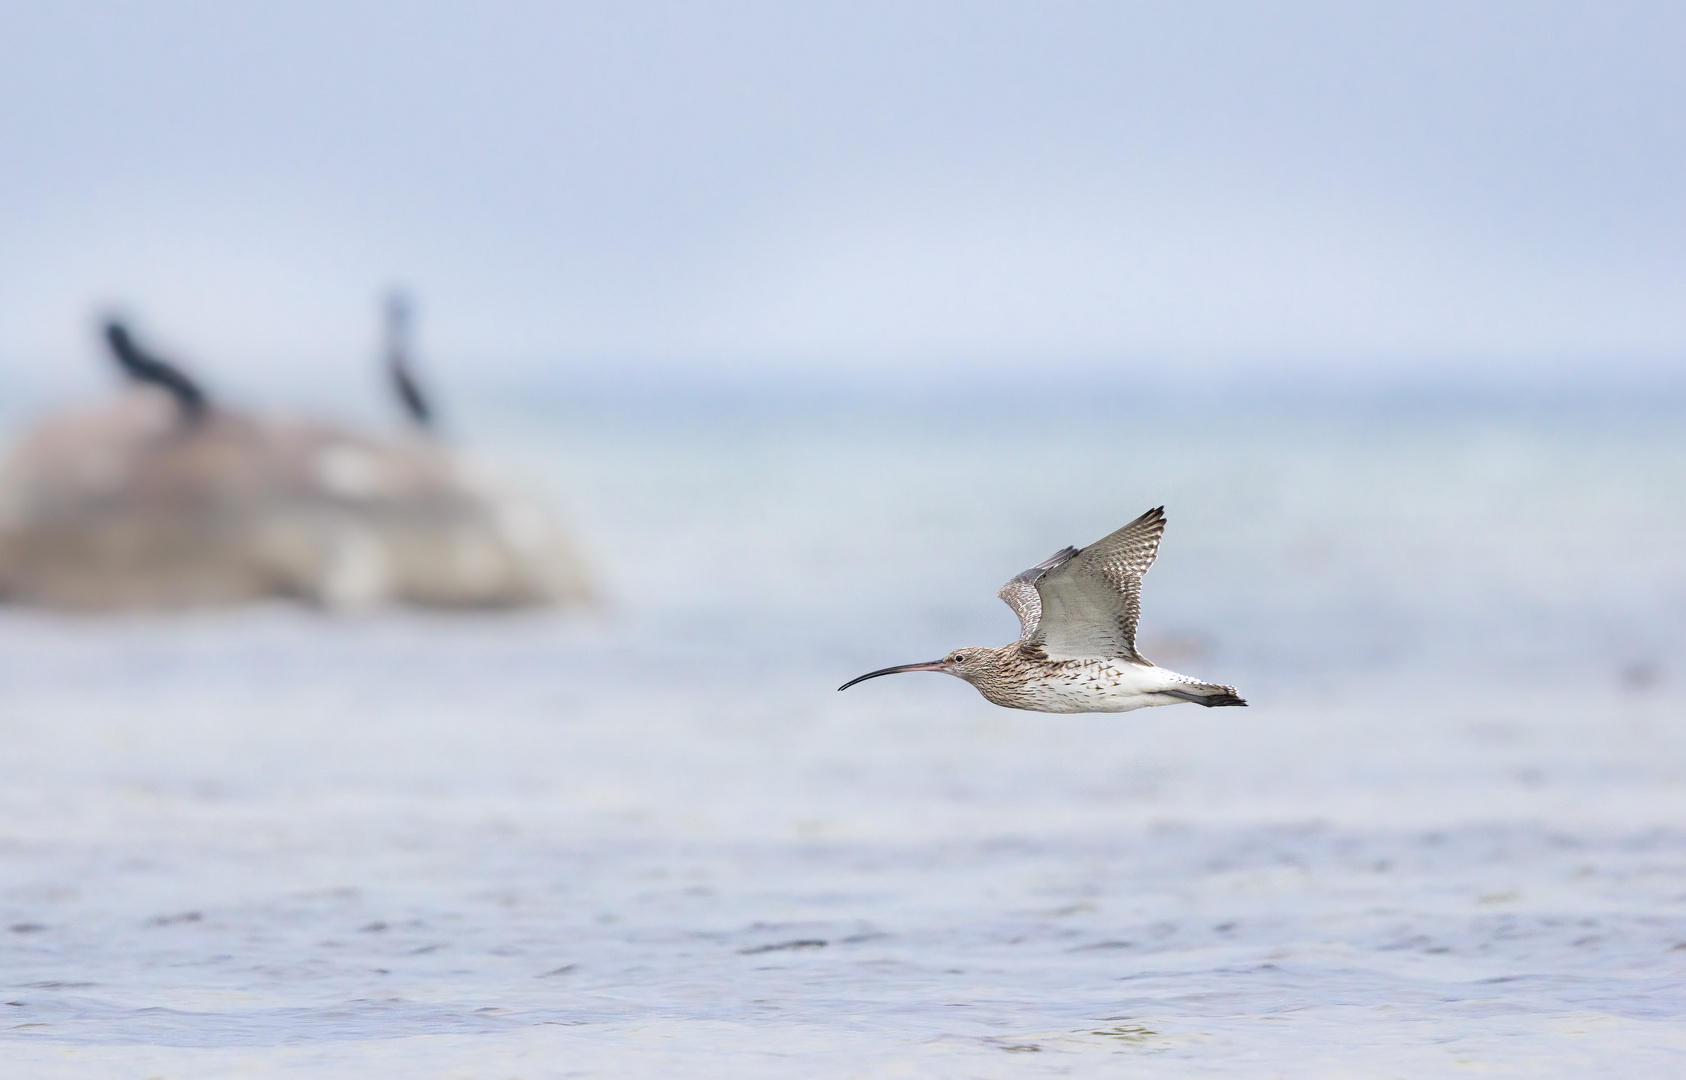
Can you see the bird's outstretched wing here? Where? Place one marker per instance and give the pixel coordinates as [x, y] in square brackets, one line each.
[1020, 593]
[1088, 602]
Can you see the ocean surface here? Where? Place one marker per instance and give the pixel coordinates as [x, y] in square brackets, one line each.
[1448, 836]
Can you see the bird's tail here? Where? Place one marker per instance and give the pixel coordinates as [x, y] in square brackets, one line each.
[1210, 695]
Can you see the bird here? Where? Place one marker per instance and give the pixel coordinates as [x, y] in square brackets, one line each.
[404, 384]
[1076, 651]
[141, 366]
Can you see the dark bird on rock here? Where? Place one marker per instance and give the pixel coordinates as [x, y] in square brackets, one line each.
[143, 367]
[398, 366]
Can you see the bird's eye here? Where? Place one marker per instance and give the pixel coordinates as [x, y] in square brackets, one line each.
[957, 658]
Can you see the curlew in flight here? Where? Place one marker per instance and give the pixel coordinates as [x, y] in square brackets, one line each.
[1076, 651]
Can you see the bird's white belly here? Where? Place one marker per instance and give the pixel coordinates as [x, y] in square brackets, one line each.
[1101, 686]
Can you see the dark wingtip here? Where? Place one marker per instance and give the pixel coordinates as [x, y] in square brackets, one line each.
[1215, 696]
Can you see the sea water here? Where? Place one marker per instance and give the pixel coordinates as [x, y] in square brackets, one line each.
[1448, 835]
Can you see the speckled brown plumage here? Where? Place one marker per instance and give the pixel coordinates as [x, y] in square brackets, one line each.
[1076, 652]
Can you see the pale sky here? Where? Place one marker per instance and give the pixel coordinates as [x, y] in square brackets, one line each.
[1340, 186]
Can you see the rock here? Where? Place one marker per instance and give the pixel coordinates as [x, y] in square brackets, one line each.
[122, 505]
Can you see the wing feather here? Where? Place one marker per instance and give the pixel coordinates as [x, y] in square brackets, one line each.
[1021, 595]
[1089, 602]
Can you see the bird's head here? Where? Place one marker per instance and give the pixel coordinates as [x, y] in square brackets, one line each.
[967, 663]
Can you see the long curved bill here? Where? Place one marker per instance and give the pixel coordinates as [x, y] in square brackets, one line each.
[934, 665]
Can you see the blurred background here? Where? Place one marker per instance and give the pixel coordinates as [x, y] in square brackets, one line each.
[1372, 191]
[810, 325]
